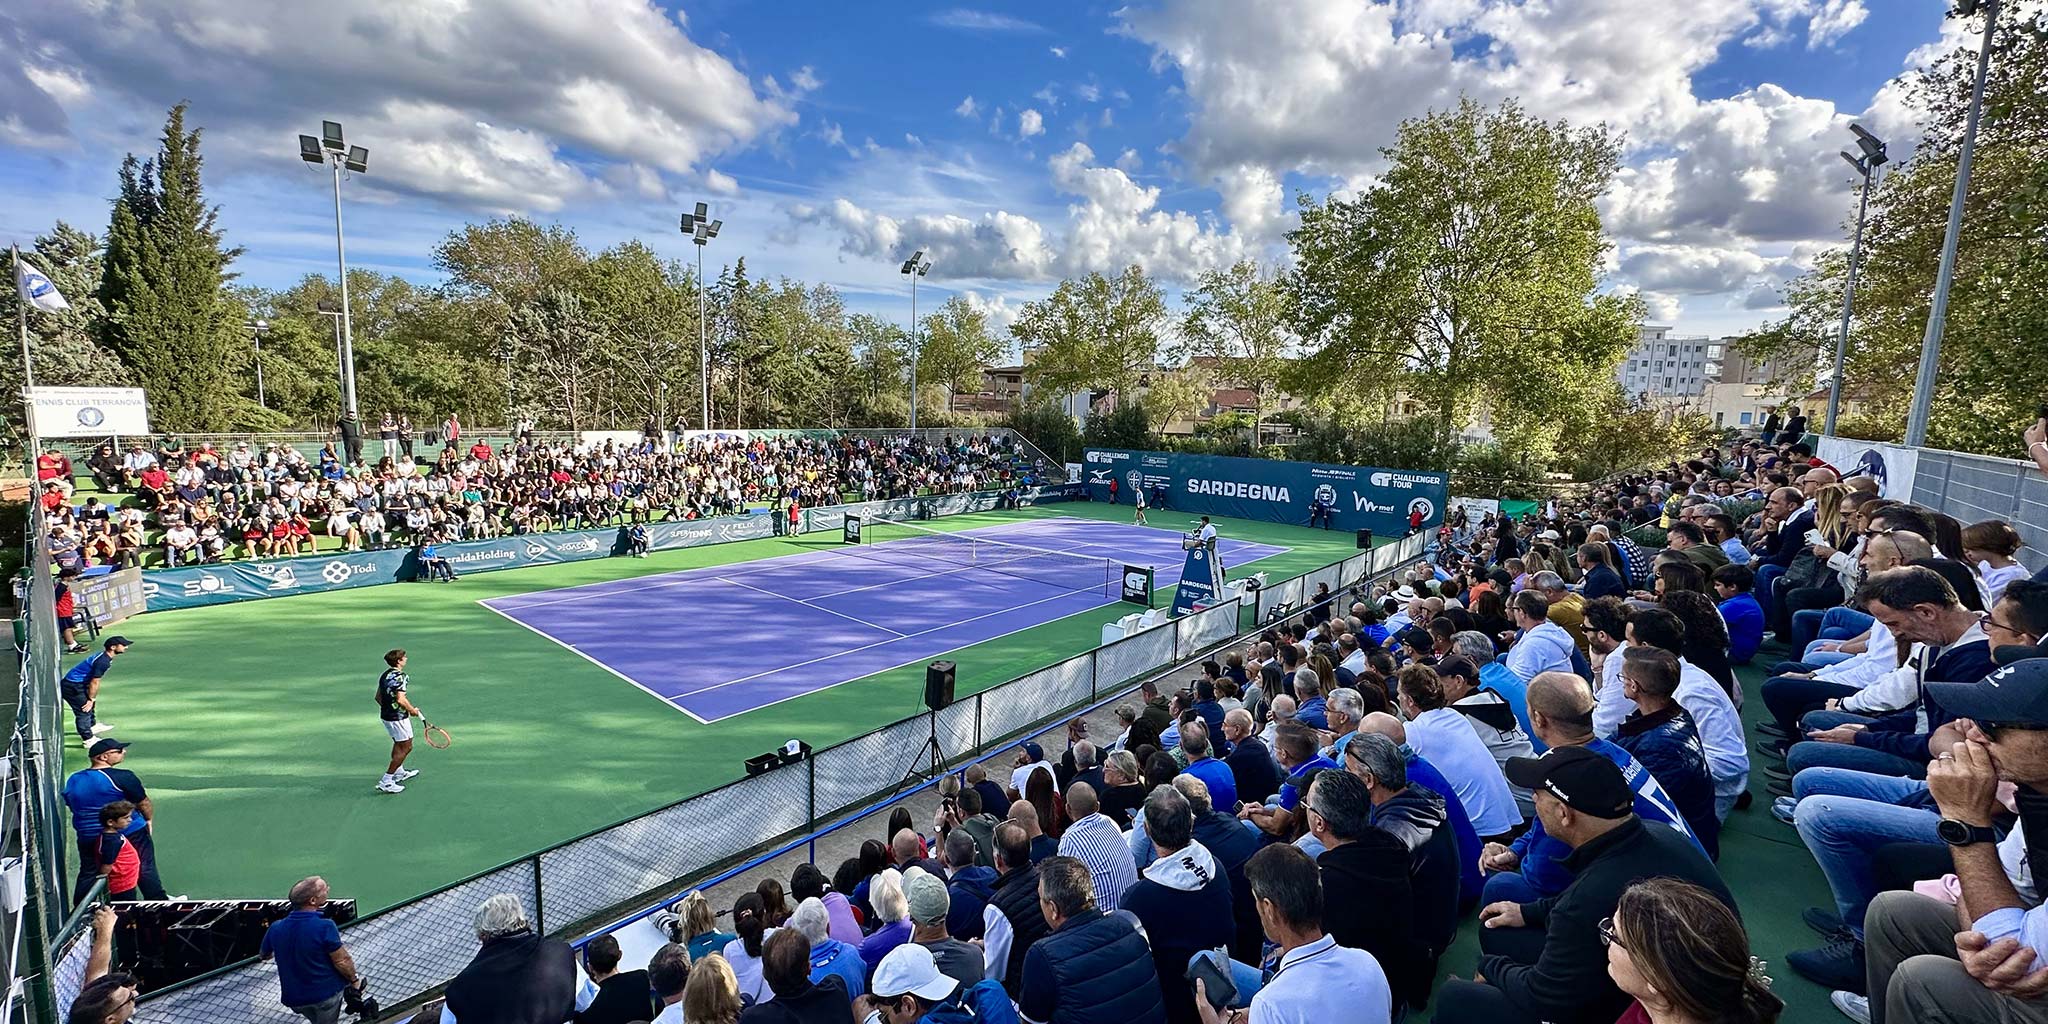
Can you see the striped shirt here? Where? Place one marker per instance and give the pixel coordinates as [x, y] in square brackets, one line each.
[1097, 842]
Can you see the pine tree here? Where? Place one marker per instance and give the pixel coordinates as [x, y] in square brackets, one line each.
[167, 316]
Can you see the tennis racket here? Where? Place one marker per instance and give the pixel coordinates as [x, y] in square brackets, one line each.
[435, 736]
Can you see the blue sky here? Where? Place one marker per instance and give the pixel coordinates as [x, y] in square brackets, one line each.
[1018, 142]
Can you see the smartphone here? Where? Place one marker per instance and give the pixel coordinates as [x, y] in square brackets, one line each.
[1215, 983]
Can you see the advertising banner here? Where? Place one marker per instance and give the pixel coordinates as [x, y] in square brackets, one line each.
[196, 586]
[1272, 490]
[89, 412]
[1199, 581]
[111, 597]
[1892, 466]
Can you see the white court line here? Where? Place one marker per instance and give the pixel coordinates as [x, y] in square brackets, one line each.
[905, 636]
[808, 604]
[573, 649]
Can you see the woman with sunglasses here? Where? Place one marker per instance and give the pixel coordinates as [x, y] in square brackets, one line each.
[1683, 956]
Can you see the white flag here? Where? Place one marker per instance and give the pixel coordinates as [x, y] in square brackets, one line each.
[36, 289]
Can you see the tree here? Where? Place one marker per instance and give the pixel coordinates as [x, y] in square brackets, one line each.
[881, 351]
[1476, 257]
[1176, 394]
[1095, 334]
[1237, 320]
[955, 347]
[644, 309]
[1991, 377]
[558, 342]
[168, 317]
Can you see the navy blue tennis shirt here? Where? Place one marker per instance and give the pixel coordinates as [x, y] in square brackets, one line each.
[88, 670]
[302, 943]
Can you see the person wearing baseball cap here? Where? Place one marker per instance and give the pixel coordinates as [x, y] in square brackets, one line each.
[1030, 758]
[100, 783]
[80, 687]
[1545, 961]
[909, 988]
[929, 905]
[1914, 941]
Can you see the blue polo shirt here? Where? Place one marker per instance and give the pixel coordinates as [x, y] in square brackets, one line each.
[301, 943]
[88, 670]
[1221, 782]
[1290, 791]
[89, 789]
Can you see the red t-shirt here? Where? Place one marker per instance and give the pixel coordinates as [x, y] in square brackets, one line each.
[126, 872]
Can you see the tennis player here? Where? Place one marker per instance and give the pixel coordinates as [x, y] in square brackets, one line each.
[397, 712]
[1138, 498]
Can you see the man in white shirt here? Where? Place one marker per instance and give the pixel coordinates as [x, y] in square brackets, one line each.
[179, 544]
[1443, 737]
[1315, 979]
[1094, 840]
[1031, 759]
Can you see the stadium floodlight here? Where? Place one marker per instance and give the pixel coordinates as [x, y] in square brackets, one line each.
[914, 267]
[331, 149]
[257, 329]
[698, 227]
[1937, 311]
[1873, 155]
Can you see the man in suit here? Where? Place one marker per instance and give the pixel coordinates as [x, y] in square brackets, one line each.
[1775, 554]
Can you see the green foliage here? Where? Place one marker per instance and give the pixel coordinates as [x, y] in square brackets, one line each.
[1991, 376]
[1491, 470]
[1126, 426]
[1415, 443]
[168, 317]
[1176, 394]
[1476, 257]
[1238, 320]
[1048, 427]
[1094, 334]
[954, 347]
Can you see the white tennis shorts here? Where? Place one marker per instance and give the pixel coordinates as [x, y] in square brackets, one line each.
[400, 730]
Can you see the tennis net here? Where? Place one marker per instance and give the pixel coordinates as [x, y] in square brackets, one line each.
[909, 544]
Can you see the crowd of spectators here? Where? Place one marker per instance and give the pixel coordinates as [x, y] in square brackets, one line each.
[1537, 726]
[170, 505]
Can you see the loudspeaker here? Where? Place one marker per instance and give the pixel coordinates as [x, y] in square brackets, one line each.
[1364, 540]
[938, 684]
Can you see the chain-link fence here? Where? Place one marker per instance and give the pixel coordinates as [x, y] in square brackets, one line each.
[410, 950]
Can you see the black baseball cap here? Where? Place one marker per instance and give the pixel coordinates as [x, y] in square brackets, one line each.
[1585, 781]
[1416, 637]
[1457, 665]
[103, 746]
[2008, 654]
[118, 641]
[2016, 695]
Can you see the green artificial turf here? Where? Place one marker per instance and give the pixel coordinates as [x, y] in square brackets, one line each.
[256, 731]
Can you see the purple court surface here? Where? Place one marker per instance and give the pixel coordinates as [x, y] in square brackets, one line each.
[840, 614]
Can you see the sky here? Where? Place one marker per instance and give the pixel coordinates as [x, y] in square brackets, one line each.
[1017, 143]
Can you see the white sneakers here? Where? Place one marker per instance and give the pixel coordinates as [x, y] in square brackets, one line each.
[101, 728]
[405, 773]
[389, 785]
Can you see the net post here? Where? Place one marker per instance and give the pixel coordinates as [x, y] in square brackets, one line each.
[540, 920]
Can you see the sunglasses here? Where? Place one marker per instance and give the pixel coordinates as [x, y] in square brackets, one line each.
[1607, 933]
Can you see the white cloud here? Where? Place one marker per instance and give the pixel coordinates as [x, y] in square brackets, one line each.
[969, 20]
[1129, 162]
[967, 108]
[479, 105]
[720, 183]
[1060, 52]
[1832, 21]
[998, 245]
[1030, 123]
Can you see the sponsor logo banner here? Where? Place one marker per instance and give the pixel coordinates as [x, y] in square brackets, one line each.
[1892, 466]
[1270, 489]
[89, 412]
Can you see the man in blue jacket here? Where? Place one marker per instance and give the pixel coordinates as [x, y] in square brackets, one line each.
[1949, 646]
[1600, 579]
[1745, 618]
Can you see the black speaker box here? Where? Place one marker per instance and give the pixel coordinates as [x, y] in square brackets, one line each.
[1364, 540]
[938, 684]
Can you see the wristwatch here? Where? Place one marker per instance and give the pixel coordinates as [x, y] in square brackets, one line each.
[1961, 833]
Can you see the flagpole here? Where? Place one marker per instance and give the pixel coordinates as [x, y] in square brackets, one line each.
[28, 377]
[28, 370]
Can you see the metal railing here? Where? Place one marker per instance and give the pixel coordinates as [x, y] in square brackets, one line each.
[1974, 488]
[412, 949]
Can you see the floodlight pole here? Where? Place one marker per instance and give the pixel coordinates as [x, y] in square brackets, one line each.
[256, 331]
[1937, 314]
[348, 351]
[703, 346]
[1872, 159]
[913, 351]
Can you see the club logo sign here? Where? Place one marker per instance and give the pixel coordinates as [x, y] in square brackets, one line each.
[336, 572]
[1134, 480]
[1326, 494]
[91, 416]
[1427, 508]
[207, 583]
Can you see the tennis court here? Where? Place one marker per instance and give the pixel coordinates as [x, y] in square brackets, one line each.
[906, 594]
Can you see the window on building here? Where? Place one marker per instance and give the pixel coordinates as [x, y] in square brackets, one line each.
[1744, 421]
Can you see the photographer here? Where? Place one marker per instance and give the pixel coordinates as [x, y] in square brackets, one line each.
[314, 970]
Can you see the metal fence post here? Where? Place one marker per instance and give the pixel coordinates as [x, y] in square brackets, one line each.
[540, 918]
[977, 725]
[811, 804]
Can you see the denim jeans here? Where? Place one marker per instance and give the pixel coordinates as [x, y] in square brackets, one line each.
[1509, 886]
[1844, 816]
[1838, 623]
[1766, 576]
[1809, 754]
[84, 719]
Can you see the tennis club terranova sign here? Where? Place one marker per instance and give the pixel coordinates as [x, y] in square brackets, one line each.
[89, 412]
[1273, 490]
